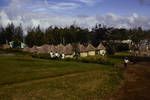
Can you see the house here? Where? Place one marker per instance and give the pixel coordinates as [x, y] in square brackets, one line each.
[83, 51]
[14, 44]
[26, 49]
[91, 50]
[31, 50]
[5, 46]
[127, 41]
[44, 48]
[60, 48]
[53, 48]
[101, 50]
[68, 51]
[34, 49]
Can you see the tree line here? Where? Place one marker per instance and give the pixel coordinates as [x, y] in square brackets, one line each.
[72, 34]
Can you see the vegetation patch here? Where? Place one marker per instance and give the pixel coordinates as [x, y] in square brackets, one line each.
[32, 78]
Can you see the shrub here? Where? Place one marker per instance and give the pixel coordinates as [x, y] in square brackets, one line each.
[96, 59]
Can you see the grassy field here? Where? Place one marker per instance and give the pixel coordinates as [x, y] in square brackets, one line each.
[27, 78]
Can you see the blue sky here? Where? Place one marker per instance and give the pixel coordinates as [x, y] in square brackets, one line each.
[85, 13]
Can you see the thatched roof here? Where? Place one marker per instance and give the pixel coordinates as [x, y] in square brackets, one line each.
[44, 48]
[100, 47]
[60, 48]
[68, 49]
[26, 49]
[33, 49]
[90, 47]
[53, 48]
[82, 48]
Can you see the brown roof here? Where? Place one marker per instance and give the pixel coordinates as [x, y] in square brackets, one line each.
[26, 49]
[60, 48]
[5, 46]
[33, 49]
[68, 49]
[44, 48]
[100, 47]
[82, 48]
[53, 48]
[90, 47]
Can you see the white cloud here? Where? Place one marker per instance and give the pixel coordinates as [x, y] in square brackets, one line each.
[88, 2]
[41, 13]
[4, 20]
[64, 6]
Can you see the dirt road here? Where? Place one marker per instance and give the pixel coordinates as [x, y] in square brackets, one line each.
[136, 85]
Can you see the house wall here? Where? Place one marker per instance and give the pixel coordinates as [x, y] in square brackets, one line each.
[91, 53]
[5, 46]
[102, 52]
[83, 54]
[68, 56]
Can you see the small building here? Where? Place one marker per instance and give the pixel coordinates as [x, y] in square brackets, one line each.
[60, 48]
[127, 41]
[23, 45]
[26, 49]
[91, 50]
[19, 44]
[34, 49]
[83, 51]
[53, 48]
[5, 46]
[101, 50]
[68, 51]
[44, 48]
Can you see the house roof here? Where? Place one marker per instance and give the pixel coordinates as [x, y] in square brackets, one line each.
[100, 47]
[68, 49]
[44, 48]
[60, 48]
[33, 49]
[26, 49]
[53, 48]
[82, 48]
[90, 47]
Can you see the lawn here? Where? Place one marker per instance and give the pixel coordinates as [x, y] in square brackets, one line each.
[25, 78]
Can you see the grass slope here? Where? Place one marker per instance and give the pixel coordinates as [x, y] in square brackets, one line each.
[26, 78]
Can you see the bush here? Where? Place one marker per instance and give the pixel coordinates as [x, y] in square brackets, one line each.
[14, 51]
[96, 59]
[119, 47]
[116, 47]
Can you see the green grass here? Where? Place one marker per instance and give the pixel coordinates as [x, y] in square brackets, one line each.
[27, 78]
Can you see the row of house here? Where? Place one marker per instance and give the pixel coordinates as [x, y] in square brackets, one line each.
[69, 50]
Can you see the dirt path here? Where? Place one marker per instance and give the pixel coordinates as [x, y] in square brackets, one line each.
[44, 79]
[136, 85]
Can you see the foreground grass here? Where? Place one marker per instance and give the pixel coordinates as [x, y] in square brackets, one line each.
[25, 78]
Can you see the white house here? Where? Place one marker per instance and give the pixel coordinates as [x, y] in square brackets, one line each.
[91, 50]
[68, 51]
[83, 51]
[22, 45]
[101, 50]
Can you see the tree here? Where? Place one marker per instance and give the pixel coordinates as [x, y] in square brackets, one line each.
[9, 32]
[2, 35]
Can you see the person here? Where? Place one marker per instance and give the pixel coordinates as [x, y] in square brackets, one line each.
[57, 55]
[126, 61]
[63, 56]
[51, 55]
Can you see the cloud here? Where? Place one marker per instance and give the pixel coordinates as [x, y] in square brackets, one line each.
[109, 19]
[88, 2]
[4, 20]
[32, 13]
[64, 6]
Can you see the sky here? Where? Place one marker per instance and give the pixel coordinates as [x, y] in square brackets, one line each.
[84, 13]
